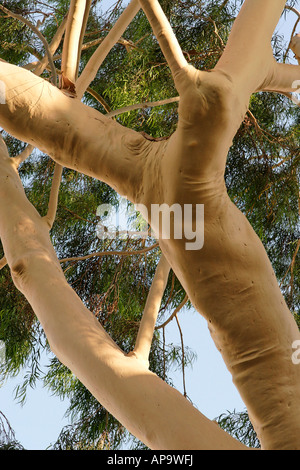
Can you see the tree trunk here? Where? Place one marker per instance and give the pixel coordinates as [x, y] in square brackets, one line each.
[230, 280]
[141, 401]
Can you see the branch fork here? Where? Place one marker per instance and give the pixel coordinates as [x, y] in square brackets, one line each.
[188, 168]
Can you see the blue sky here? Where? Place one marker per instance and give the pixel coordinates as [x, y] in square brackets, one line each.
[208, 383]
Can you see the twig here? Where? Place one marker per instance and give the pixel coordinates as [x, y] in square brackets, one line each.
[288, 7]
[52, 47]
[177, 309]
[99, 99]
[164, 35]
[291, 266]
[110, 253]
[223, 5]
[106, 45]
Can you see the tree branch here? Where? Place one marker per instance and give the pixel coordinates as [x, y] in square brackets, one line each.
[18, 159]
[147, 325]
[146, 104]
[40, 36]
[165, 35]
[248, 57]
[110, 253]
[95, 62]
[53, 199]
[285, 79]
[99, 99]
[294, 29]
[83, 30]
[183, 356]
[72, 134]
[77, 16]
[177, 309]
[52, 48]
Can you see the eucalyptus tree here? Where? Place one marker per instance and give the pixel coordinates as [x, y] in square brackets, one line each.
[229, 278]
[113, 280]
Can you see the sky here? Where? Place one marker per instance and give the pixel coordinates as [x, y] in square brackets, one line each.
[208, 383]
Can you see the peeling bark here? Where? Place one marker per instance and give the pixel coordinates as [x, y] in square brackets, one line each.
[140, 400]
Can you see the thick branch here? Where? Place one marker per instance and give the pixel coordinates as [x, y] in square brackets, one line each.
[285, 79]
[165, 36]
[83, 31]
[142, 402]
[53, 199]
[229, 279]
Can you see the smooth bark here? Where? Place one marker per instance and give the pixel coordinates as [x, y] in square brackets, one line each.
[138, 398]
[230, 281]
[147, 325]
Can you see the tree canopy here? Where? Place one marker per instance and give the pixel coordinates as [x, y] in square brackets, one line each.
[262, 178]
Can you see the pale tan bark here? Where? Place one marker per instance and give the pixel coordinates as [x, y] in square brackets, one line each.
[138, 398]
[40, 36]
[146, 104]
[230, 281]
[53, 199]
[107, 44]
[295, 46]
[40, 67]
[18, 159]
[174, 313]
[153, 303]
[165, 36]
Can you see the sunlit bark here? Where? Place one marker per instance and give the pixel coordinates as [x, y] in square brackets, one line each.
[230, 280]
